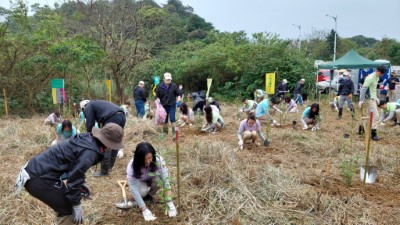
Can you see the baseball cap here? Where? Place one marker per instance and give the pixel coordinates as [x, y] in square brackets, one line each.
[167, 76]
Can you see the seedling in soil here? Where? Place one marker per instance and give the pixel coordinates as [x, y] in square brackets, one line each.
[163, 189]
[348, 169]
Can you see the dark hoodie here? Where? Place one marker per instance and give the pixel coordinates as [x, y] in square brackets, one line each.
[73, 157]
[100, 111]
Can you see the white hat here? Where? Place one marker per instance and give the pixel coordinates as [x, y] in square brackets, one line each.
[167, 76]
[346, 73]
[83, 103]
[285, 81]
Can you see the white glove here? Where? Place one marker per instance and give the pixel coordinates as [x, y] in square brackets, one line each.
[148, 216]
[171, 209]
[241, 143]
[305, 127]
[337, 109]
[360, 104]
[120, 153]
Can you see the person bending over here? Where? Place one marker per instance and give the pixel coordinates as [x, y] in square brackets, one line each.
[64, 131]
[146, 174]
[187, 115]
[249, 129]
[390, 112]
[311, 117]
[214, 121]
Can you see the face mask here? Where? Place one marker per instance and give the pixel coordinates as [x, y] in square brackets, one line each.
[67, 134]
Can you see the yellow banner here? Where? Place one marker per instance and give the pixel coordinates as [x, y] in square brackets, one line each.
[270, 83]
[108, 83]
[209, 81]
[54, 94]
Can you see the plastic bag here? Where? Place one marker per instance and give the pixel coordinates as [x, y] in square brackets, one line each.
[161, 114]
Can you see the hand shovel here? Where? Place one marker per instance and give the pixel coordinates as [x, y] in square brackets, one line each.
[125, 204]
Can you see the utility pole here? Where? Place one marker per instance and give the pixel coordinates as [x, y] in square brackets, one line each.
[299, 43]
[334, 44]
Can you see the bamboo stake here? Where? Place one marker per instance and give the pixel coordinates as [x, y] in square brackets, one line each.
[5, 101]
[367, 145]
[178, 176]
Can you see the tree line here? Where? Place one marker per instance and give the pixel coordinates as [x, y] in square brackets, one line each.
[86, 42]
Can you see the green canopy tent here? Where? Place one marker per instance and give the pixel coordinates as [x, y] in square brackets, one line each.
[352, 60]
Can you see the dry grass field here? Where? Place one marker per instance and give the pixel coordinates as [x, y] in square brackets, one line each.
[281, 184]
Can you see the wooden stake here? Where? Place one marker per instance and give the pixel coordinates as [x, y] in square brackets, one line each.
[328, 167]
[178, 170]
[75, 110]
[5, 101]
[367, 145]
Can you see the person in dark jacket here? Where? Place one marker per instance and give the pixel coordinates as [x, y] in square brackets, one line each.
[199, 101]
[345, 93]
[282, 89]
[168, 94]
[57, 176]
[393, 81]
[104, 112]
[298, 91]
[139, 95]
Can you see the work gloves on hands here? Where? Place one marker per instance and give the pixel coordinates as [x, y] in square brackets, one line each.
[120, 153]
[240, 144]
[274, 122]
[315, 128]
[77, 214]
[148, 216]
[360, 104]
[171, 209]
[85, 191]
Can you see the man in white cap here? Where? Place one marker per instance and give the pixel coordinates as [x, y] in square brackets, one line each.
[282, 89]
[57, 176]
[168, 94]
[345, 93]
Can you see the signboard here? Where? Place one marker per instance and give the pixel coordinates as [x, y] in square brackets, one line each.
[58, 92]
[209, 81]
[270, 83]
[108, 83]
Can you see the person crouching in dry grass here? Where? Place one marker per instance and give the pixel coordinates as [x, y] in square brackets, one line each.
[187, 115]
[311, 117]
[57, 176]
[214, 121]
[249, 129]
[64, 131]
[147, 174]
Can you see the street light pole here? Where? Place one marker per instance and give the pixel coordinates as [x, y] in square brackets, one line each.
[334, 44]
[299, 44]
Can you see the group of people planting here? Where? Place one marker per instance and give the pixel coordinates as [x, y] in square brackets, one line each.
[57, 175]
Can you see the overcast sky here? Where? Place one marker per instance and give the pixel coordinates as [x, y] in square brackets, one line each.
[370, 18]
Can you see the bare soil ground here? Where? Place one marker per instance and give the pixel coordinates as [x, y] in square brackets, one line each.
[280, 184]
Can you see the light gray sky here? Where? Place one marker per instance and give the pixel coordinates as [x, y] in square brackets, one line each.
[370, 18]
